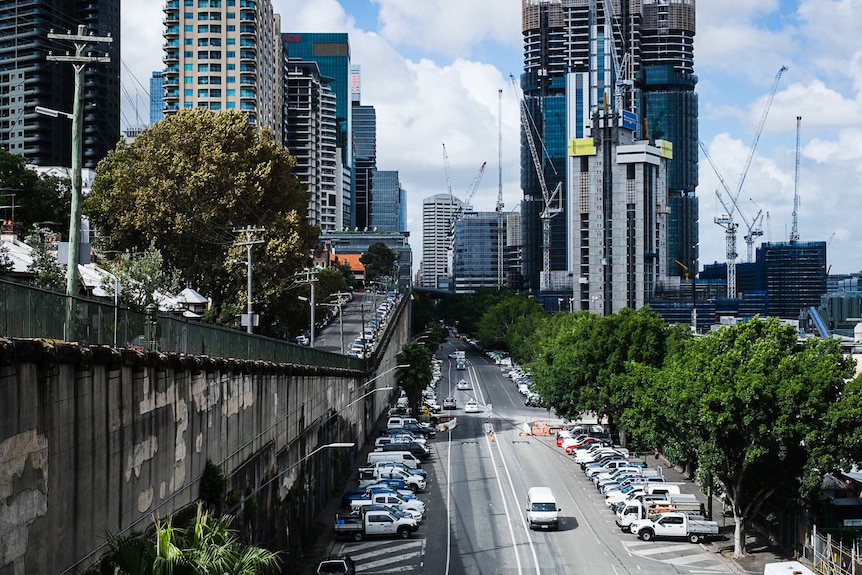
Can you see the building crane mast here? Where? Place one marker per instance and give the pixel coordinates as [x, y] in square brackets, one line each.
[458, 211]
[499, 207]
[550, 200]
[794, 230]
[726, 220]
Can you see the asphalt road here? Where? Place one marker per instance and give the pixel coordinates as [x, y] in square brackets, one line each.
[476, 523]
[354, 316]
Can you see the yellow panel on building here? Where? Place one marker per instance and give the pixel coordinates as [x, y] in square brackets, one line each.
[582, 147]
[666, 149]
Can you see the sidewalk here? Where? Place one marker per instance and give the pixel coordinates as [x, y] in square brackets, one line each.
[759, 550]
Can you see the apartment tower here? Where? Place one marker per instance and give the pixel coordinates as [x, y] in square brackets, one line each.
[438, 215]
[28, 79]
[224, 55]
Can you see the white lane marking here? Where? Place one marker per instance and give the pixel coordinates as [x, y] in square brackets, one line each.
[402, 547]
[388, 561]
[656, 549]
[506, 508]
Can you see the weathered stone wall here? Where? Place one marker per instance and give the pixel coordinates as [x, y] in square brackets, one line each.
[96, 441]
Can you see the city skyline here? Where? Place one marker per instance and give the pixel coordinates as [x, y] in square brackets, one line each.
[434, 79]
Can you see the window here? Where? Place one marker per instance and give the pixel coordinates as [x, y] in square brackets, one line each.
[203, 93]
[230, 92]
[231, 41]
[231, 15]
[188, 28]
[188, 15]
[215, 105]
[203, 55]
[215, 55]
[231, 28]
[188, 42]
[231, 105]
[231, 79]
[203, 29]
[188, 92]
[203, 16]
[189, 3]
[215, 41]
[215, 93]
[188, 105]
[203, 41]
[215, 28]
[215, 80]
[188, 67]
[188, 80]
[202, 68]
[231, 54]
[231, 66]
[215, 67]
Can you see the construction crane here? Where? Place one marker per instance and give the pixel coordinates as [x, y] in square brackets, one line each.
[550, 200]
[499, 207]
[794, 230]
[458, 210]
[726, 220]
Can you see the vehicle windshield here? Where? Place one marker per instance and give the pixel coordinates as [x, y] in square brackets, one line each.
[544, 507]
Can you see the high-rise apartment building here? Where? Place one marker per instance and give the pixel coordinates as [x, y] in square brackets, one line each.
[331, 52]
[438, 215]
[475, 258]
[225, 55]
[570, 48]
[28, 79]
[310, 135]
[157, 96]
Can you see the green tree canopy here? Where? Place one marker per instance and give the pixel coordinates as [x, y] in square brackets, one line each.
[141, 275]
[186, 186]
[417, 375]
[756, 408]
[500, 317]
[37, 198]
[379, 262]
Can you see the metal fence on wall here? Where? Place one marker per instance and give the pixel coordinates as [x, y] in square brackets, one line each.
[831, 556]
[28, 312]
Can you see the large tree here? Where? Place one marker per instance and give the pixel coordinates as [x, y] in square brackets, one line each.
[755, 407]
[379, 262]
[500, 317]
[188, 185]
[417, 375]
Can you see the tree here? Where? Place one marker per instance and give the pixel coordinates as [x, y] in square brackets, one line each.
[186, 186]
[47, 272]
[206, 547]
[37, 198]
[379, 262]
[141, 276]
[756, 408]
[417, 375]
[6, 264]
[500, 317]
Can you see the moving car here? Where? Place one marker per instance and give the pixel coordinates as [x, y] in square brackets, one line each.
[462, 384]
[449, 403]
[471, 407]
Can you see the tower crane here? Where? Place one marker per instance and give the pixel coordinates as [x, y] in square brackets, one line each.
[458, 211]
[726, 220]
[499, 207]
[794, 230]
[550, 200]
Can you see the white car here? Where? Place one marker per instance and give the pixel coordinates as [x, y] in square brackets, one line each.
[462, 384]
[471, 407]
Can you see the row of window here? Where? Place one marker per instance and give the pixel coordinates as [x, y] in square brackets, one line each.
[214, 3]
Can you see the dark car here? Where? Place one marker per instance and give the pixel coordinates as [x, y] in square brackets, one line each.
[336, 565]
[417, 450]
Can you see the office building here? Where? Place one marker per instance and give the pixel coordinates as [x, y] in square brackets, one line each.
[794, 276]
[310, 135]
[385, 201]
[342, 243]
[28, 79]
[365, 155]
[157, 96]
[225, 56]
[475, 258]
[438, 216]
[331, 52]
[512, 277]
[569, 79]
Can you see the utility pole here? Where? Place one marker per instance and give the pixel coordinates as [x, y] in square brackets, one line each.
[79, 62]
[249, 241]
[310, 278]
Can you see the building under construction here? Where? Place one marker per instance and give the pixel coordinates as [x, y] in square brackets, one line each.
[630, 62]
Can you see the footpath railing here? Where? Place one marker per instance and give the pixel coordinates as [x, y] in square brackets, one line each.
[29, 312]
[831, 556]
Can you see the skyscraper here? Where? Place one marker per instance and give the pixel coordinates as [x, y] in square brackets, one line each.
[331, 52]
[438, 213]
[385, 201]
[157, 93]
[573, 51]
[27, 80]
[474, 258]
[225, 56]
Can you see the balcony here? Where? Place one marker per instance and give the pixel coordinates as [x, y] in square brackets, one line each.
[171, 18]
[171, 57]
[172, 31]
[171, 5]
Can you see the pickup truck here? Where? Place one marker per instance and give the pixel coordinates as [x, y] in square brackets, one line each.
[409, 470]
[388, 498]
[411, 481]
[376, 524]
[637, 509]
[674, 525]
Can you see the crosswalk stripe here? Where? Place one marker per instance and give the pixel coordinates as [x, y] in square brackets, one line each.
[387, 561]
[373, 553]
[657, 549]
[690, 559]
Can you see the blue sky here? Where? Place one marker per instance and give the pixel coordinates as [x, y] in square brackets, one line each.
[433, 69]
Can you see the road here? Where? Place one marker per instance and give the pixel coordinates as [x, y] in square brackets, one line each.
[479, 481]
[354, 316]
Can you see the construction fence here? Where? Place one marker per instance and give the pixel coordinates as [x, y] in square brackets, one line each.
[831, 556]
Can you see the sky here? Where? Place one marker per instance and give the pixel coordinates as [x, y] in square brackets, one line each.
[438, 71]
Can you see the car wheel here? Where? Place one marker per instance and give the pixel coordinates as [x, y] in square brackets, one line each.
[646, 535]
[694, 538]
[404, 533]
[357, 536]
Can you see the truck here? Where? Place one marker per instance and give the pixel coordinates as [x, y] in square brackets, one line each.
[371, 475]
[636, 509]
[674, 525]
[375, 524]
[381, 497]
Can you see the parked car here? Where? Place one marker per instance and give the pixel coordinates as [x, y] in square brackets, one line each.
[336, 565]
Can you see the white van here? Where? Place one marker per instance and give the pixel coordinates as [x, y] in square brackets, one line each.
[404, 457]
[786, 568]
[542, 510]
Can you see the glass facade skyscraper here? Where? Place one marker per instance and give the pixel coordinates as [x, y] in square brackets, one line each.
[365, 154]
[475, 263]
[385, 201]
[157, 90]
[563, 37]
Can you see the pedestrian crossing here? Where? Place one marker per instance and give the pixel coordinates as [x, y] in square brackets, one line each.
[682, 555]
[386, 556]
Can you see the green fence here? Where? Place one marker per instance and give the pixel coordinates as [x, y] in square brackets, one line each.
[29, 312]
